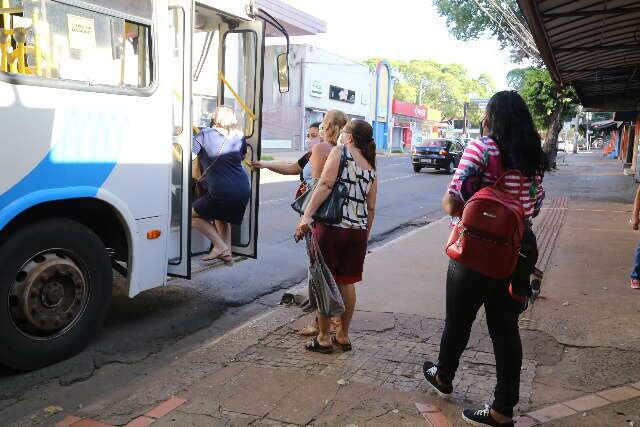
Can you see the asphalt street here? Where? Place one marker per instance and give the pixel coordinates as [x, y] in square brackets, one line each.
[161, 323]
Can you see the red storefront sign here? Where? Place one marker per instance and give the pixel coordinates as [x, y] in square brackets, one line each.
[407, 109]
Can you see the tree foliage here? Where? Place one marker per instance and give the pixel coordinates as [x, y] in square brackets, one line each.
[466, 20]
[542, 96]
[445, 87]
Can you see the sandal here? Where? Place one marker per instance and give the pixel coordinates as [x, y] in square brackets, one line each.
[343, 347]
[227, 258]
[224, 256]
[316, 347]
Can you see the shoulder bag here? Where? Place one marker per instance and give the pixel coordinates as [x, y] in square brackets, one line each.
[198, 175]
[330, 212]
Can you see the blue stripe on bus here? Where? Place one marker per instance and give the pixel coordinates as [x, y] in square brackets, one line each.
[52, 180]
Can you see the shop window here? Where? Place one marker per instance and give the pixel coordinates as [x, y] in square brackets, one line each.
[58, 41]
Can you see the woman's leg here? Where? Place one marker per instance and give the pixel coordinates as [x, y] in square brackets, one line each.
[323, 326]
[348, 293]
[464, 296]
[224, 228]
[210, 233]
[502, 319]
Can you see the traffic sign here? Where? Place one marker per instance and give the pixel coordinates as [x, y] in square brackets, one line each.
[481, 102]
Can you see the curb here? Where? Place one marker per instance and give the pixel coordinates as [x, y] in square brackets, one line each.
[583, 404]
[145, 420]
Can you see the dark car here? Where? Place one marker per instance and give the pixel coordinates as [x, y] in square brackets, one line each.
[437, 153]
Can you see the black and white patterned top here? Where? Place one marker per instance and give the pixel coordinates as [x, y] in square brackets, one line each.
[359, 182]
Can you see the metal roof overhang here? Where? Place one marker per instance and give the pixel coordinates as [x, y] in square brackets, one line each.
[606, 125]
[295, 21]
[593, 45]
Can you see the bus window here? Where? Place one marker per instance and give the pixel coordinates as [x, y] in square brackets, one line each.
[240, 59]
[63, 42]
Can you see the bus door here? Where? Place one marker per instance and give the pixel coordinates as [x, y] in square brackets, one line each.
[179, 71]
[240, 60]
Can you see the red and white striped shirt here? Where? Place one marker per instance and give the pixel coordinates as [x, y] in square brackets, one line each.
[481, 166]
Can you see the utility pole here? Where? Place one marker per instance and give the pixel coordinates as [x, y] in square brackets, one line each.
[464, 121]
[588, 133]
[575, 135]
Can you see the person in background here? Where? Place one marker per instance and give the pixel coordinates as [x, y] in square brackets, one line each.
[220, 150]
[313, 135]
[344, 246]
[635, 223]
[298, 167]
[510, 142]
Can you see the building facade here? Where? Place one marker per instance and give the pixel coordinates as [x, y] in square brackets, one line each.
[320, 81]
[408, 121]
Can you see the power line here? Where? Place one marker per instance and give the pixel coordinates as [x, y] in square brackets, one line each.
[523, 38]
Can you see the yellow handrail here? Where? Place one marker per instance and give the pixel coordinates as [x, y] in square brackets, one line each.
[244, 106]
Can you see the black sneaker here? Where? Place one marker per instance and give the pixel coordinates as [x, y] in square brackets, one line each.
[482, 417]
[430, 370]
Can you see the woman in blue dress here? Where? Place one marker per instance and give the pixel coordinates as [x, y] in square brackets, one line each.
[221, 150]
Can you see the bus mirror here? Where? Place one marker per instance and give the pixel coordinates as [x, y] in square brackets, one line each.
[283, 73]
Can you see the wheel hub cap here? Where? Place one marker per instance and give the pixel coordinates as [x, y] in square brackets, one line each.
[50, 292]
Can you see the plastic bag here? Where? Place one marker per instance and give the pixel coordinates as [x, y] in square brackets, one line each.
[323, 290]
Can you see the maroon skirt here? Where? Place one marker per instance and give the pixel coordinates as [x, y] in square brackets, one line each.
[343, 250]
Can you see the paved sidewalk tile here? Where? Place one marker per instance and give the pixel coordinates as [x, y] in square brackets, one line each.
[635, 385]
[620, 393]
[426, 408]
[166, 407]
[68, 421]
[586, 403]
[524, 421]
[552, 412]
[436, 419]
[90, 423]
[141, 422]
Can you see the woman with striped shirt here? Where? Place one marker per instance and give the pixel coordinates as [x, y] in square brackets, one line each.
[510, 142]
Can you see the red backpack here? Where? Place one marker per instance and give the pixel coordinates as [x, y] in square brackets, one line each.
[487, 239]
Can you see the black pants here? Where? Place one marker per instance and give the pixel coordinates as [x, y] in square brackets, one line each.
[467, 290]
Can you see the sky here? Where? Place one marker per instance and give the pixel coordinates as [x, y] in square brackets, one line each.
[400, 30]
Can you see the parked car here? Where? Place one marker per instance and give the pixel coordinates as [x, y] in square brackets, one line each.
[440, 153]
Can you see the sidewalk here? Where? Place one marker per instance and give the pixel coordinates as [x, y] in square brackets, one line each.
[581, 342]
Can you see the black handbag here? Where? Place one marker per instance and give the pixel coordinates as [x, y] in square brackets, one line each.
[330, 212]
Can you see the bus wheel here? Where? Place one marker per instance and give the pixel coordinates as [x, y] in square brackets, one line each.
[55, 288]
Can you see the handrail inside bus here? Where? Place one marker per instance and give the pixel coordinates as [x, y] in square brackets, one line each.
[236, 96]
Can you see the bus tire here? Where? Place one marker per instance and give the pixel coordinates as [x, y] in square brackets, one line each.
[55, 289]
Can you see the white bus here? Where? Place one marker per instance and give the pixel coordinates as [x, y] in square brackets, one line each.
[97, 103]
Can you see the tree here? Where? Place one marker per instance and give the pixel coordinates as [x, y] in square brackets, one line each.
[549, 105]
[445, 87]
[473, 19]
[477, 19]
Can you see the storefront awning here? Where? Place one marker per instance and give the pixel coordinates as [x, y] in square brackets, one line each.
[606, 125]
[295, 21]
[593, 45]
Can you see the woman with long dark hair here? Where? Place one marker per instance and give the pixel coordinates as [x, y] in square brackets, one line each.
[510, 142]
[344, 245]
